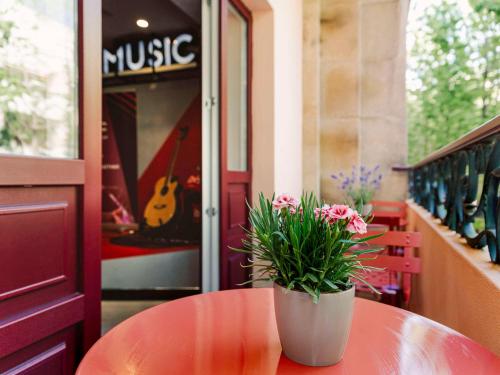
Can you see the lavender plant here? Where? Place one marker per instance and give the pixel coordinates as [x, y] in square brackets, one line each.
[360, 186]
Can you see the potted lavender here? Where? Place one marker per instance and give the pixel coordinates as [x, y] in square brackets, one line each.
[360, 186]
[306, 249]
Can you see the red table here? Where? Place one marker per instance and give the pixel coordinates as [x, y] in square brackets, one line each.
[234, 332]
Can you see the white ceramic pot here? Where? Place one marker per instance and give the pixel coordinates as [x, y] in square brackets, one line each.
[313, 334]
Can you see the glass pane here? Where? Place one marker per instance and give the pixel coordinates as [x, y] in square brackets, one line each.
[38, 78]
[236, 91]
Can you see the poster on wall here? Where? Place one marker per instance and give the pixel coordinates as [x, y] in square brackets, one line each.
[169, 189]
[119, 164]
[151, 195]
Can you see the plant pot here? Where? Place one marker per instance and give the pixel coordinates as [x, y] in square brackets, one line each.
[313, 334]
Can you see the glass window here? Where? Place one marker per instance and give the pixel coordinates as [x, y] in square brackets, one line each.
[236, 91]
[38, 78]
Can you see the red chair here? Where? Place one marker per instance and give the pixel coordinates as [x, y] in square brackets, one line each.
[394, 281]
[390, 213]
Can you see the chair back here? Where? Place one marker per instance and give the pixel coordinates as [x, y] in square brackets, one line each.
[394, 238]
[392, 261]
[407, 263]
[390, 213]
[396, 205]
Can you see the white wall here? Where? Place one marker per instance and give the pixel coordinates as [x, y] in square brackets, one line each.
[263, 107]
[288, 96]
[277, 96]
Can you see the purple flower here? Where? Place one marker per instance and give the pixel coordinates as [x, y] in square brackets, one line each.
[362, 180]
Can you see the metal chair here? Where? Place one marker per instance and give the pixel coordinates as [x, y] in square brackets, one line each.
[394, 281]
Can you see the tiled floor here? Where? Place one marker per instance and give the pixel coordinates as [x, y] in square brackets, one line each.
[114, 312]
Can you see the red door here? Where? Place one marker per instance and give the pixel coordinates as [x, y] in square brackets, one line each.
[50, 185]
[235, 132]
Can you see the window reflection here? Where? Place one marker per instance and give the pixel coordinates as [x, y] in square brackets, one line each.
[237, 91]
[38, 78]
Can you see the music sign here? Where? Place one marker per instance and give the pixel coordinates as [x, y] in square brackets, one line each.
[155, 55]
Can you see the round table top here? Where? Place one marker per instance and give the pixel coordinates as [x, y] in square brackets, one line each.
[234, 332]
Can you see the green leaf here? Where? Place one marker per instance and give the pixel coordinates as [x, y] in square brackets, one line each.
[331, 285]
[311, 277]
[311, 292]
[366, 283]
[366, 251]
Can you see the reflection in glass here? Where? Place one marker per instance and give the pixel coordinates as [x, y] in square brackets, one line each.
[236, 91]
[38, 78]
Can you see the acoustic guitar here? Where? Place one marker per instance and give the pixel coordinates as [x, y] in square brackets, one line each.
[163, 204]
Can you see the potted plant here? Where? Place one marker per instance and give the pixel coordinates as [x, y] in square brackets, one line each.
[306, 250]
[360, 186]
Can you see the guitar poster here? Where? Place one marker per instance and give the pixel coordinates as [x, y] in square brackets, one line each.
[119, 164]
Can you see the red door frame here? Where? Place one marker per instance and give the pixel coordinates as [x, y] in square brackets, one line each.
[90, 106]
[51, 322]
[227, 177]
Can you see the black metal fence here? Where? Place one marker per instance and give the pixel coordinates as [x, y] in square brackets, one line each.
[459, 184]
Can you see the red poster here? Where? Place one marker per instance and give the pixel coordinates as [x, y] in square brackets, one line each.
[119, 164]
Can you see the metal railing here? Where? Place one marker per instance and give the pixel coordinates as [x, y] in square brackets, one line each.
[459, 184]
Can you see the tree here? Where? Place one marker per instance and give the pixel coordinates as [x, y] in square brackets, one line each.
[11, 88]
[485, 37]
[16, 86]
[454, 62]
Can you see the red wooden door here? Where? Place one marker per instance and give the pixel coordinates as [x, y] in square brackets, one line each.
[235, 136]
[50, 200]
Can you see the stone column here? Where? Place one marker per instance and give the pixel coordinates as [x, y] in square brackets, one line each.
[383, 131]
[362, 65]
[340, 93]
[311, 12]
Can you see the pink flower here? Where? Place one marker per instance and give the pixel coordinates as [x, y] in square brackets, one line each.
[317, 212]
[285, 201]
[356, 224]
[293, 210]
[340, 211]
[324, 212]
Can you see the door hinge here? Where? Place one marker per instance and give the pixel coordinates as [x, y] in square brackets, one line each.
[210, 102]
[211, 211]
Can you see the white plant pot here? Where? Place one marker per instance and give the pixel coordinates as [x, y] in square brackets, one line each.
[313, 334]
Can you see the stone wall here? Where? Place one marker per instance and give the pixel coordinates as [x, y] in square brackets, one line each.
[311, 28]
[354, 91]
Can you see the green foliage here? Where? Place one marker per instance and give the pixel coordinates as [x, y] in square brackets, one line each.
[16, 86]
[35, 102]
[301, 251]
[360, 197]
[455, 67]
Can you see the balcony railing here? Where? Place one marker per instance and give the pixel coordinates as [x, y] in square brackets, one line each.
[459, 184]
